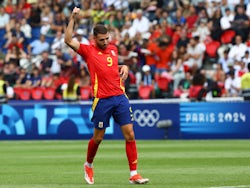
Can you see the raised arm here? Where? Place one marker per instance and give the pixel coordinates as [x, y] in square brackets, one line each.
[74, 44]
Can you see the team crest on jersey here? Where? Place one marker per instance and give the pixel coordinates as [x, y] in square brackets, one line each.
[113, 53]
[100, 124]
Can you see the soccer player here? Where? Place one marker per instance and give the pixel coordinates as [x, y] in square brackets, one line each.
[109, 96]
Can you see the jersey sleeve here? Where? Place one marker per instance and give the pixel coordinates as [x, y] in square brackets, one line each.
[83, 50]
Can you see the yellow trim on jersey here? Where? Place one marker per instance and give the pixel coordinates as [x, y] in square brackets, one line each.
[94, 103]
[95, 85]
[121, 85]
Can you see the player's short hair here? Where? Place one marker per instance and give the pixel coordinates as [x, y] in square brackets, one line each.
[100, 29]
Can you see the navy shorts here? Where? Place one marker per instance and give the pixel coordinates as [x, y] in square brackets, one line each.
[118, 107]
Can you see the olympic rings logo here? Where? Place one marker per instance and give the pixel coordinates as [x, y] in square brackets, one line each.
[146, 117]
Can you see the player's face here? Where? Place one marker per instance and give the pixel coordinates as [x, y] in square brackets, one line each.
[102, 40]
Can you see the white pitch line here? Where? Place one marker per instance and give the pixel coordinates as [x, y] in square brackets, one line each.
[235, 186]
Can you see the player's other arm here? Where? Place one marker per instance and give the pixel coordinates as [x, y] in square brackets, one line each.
[123, 70]
[74, 44]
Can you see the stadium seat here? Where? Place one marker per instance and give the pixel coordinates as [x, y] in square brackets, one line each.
[227, 36]
[35, 33]
[17, 91]
[49, 93]
[37, 93]
[196, 92]
[145, 91]
[25, 94]
[211, 48]
[85, 92]
[162, 83]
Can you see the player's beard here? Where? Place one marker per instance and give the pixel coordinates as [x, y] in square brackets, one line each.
[104, 46]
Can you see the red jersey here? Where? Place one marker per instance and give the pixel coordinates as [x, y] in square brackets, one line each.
[103, 70]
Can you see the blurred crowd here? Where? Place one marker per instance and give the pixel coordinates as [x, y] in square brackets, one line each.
[174, 48]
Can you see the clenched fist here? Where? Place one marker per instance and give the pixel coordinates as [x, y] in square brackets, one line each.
[75, 12]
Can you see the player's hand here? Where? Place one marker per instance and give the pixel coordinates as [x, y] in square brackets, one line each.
[75, 12]
[124, 72]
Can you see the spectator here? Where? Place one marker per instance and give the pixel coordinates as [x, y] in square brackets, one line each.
[38, 46]
[178, 19]
[203, 30]
[97, 13]
[163, 55]
[119, 20]
[197, 89]
[176, 68]
[150, 54]
[4, 18]
[15, 34]
[80, 36]
[125, 56]
[128, 30]
[3, 89]
[10, 71]
[183, 40]
[51, 81]
[71, 92]
[45, 26]
[9, 7]
[65, 62]
[185, 8]
[35, 79]
[182, 90]
[27, 31]
[85, 15]
[225, 61]
[245, 84]
[237, 51]
[35, 15]
[241, 22]
[15, 54]
[58, 24]
[84, 78]
[227, 19]
[165, 17]
[58, 43]
[21, 79]
[191, 19]
[215, 27]
[150, 8]
[148, 79]
[246, 58]
[140, 23]
[232, 85]
[195, 51]
[219, 77]
[45, 64]
[46, 14]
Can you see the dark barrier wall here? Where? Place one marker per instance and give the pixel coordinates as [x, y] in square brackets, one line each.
[43, 120]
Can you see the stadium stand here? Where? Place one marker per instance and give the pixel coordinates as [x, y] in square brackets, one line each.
[136, 25]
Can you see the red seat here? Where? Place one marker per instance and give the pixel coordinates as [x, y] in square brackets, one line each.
[145, 91]
[197, 92]
[17, 91]
[227, 36]
[85, 92]
[162, 83]
[37, 93]
[25, 94]
[211, 48]
[49, 93]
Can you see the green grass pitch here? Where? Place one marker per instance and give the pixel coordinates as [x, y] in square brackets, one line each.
[167, 163]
